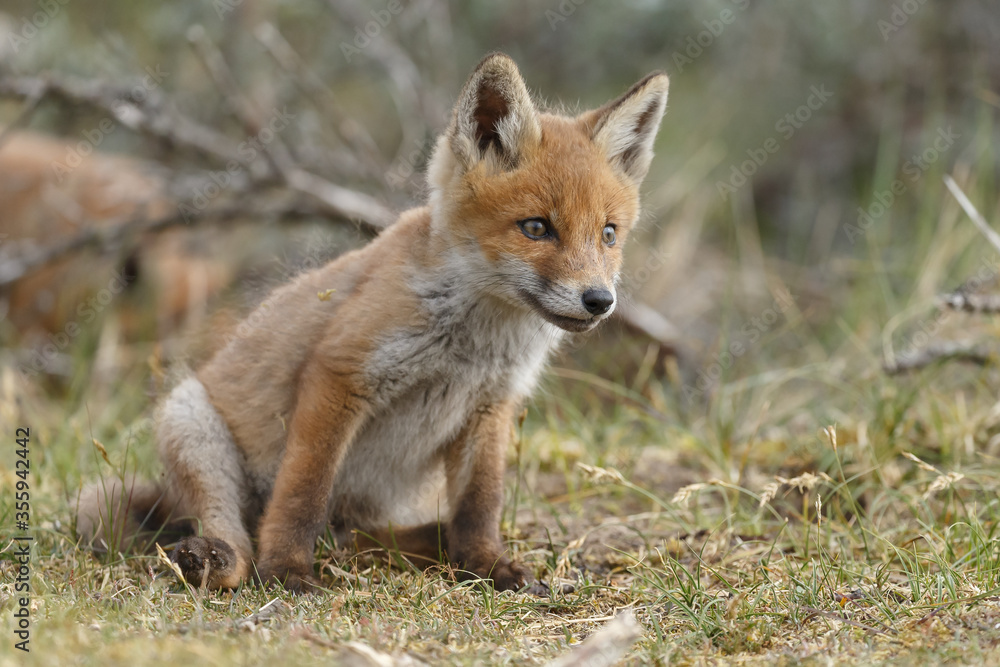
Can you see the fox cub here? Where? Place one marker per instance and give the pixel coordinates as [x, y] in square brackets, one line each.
[384, 408]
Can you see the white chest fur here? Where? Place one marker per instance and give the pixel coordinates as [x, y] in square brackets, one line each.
[466, 351]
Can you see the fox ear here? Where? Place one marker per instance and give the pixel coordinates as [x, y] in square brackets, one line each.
[626, 128]
[494, 118]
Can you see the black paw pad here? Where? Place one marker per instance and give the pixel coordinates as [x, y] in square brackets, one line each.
[203, 560]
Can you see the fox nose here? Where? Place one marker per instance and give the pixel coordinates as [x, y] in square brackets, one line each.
[598, 301]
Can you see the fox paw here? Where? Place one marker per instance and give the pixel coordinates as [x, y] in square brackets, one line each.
[507, 575]
[205, 561]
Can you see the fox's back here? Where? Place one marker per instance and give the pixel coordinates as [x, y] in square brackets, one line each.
[253, 380]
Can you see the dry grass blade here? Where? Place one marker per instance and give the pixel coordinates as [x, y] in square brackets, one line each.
[599, 475]
[991, 235]
[685, 492]
[943, 482]
[921, 464]
[174, 567]
[102, 449]
[264, 613]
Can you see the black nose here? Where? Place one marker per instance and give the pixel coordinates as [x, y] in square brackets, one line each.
[598, 301]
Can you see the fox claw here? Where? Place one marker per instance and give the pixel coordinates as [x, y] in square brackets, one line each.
[204, 561]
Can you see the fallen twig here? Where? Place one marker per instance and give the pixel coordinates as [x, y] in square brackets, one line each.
[972, 303]
[945, 351]
[606, 646]
[356, 654]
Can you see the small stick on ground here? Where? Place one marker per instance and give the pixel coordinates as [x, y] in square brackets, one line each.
[946, 351]
[605, 647]
[972, 303]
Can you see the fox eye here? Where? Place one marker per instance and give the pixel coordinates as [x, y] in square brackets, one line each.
[609, 234]
[534, 228]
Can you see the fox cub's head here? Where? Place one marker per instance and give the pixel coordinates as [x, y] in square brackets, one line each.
[543, 201]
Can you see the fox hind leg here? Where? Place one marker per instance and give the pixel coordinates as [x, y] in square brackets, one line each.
[205, 473]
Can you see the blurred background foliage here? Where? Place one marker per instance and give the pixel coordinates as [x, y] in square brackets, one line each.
[891, 87]
[898, 76]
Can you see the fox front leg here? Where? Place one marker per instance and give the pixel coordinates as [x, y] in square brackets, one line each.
[475, 469]
[326, 419]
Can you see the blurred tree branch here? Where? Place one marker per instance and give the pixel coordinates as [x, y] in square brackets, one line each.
[152, 117]
[940, 352]
[20, 258]
[283, 181]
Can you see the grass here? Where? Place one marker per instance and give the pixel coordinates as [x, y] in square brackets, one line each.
[762, 534]
[806, 508]
[799, 507]
[803, 510]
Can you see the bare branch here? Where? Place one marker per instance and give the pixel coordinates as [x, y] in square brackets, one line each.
[19, 258]
[30, 105]
[649, 322]
[416, 111]
[939, 352]
[340, 201]
[972, 303]
[147, 117]
[276, 152]
[150, 118]
[353, 133]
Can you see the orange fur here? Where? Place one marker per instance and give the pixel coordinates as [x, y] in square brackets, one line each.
[385, 407]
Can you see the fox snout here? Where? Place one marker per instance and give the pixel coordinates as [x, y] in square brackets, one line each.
[598, 301]
[569, 308]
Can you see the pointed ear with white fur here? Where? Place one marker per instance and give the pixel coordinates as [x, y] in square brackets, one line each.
[625, 129]
[494, 119]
